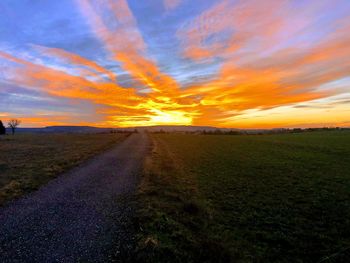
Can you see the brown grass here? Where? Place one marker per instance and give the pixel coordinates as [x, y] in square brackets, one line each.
[28, 161]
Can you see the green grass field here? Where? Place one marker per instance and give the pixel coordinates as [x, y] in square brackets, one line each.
[263, 198]
[28, 161]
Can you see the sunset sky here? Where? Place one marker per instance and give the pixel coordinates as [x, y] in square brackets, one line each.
[225, 63]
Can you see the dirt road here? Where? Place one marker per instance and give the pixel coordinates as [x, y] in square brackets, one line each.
[82, 216]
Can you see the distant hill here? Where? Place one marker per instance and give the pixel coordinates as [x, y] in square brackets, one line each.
[91, 129]
[75, 129]
[157, 128]
[63, 129]
[180, 128]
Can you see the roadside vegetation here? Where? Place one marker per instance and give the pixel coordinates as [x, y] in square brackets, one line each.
[28, 161]
[259, 198]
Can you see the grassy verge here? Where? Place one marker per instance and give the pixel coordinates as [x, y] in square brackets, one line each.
[28, 161]
[275, 198]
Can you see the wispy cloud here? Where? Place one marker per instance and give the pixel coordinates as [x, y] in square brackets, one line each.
[73, 59]
[171, 4]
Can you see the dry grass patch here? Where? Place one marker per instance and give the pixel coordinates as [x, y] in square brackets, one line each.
[28, 161]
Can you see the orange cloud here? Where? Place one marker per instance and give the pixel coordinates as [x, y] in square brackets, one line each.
[255, 77]
[72, 58]
[122, 106]
[39, 120]
[127, 49]
[249, 80]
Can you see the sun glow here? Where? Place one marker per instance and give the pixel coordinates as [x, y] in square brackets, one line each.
[154, 117]
[170, 117]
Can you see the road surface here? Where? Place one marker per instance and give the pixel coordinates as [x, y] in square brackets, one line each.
[82, 216]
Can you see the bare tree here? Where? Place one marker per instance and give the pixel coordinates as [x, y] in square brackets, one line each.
[13, 124]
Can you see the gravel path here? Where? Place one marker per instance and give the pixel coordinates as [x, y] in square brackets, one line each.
[82, 216]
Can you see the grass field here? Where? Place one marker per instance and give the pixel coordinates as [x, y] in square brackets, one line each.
[28, 161]
[264, 198]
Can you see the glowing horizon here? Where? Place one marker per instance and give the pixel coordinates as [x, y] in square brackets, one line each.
[225, 63]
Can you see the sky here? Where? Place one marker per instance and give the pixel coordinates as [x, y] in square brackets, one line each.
[224, 63]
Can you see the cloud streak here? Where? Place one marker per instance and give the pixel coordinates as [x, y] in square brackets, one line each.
[74, 59]
[171, 4]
